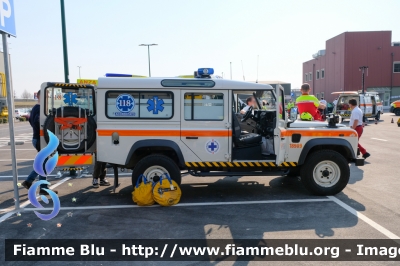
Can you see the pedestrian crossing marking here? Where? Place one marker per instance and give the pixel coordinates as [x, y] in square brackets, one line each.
[26, 138]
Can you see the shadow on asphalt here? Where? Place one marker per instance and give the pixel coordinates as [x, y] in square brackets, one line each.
[252, 221]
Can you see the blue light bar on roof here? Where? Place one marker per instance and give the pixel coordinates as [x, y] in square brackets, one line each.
[205, 71]
[113, 75]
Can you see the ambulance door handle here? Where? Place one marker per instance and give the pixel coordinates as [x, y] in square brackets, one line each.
[192, 137]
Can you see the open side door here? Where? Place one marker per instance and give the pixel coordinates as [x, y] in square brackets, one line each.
[280, 144]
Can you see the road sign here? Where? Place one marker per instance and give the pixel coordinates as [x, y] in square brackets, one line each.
[7, 18]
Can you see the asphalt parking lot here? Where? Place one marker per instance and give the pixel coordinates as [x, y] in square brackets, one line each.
[250, 207]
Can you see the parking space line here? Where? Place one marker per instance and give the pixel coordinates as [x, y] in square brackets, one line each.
[22, 176]
[6, 216]
[186, 204]
[9, 160]
[17, 149]
[379, 139]
[10, 211]
[375, 225]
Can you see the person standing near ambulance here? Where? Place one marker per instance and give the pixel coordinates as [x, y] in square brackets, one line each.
[34, 121]
[356, 123]
[290, 105]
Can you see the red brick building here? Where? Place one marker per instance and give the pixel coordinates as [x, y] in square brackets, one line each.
[337, 67]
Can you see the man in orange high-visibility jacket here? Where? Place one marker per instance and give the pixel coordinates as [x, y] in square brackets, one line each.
[308, 105]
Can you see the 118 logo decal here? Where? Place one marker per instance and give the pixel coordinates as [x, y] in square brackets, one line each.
[44, 163]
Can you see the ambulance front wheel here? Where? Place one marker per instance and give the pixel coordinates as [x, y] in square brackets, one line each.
[154, 166]
[325, 172]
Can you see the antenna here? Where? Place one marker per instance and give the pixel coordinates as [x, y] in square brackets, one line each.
[231, 69]
[257, 68]
[243, 70]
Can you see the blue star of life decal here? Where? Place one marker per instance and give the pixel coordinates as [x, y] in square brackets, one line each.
[70, 98]
[155, 105]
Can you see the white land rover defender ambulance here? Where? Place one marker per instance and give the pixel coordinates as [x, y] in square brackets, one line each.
[369, 103]
[166, 125]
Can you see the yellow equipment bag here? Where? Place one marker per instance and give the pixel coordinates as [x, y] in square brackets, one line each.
[166, 192]
[143, 192]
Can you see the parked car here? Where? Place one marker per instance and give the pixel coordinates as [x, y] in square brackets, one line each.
[27, 115]
[20, 113]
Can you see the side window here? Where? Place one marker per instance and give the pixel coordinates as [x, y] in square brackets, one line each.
[204, 106]
[139, 104]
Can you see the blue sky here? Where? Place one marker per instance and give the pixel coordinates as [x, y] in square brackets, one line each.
[103, 36]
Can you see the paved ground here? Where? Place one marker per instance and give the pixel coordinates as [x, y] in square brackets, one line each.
[217, 207]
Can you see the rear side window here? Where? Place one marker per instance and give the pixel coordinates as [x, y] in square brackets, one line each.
[204, 106]
[139, 105]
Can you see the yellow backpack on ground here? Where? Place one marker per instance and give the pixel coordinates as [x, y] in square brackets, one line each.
[143, 192]
[166, 192]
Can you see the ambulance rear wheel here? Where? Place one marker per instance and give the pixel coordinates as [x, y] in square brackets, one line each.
[154, 166]
[325, 172]
[397, 111]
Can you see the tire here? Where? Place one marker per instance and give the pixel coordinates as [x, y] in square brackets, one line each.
[73, 146]
[338, 173]
[292, 172]
[153, 166]
[397, 111]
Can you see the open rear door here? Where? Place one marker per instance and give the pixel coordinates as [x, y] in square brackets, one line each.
[280, 144]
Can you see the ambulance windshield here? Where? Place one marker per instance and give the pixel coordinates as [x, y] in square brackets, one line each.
[267, 100]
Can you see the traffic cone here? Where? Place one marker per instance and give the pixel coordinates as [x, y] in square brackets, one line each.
[392, 120]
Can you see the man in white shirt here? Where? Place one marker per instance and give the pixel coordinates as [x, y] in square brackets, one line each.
[323, 111]
[356, 123]
[335, 102]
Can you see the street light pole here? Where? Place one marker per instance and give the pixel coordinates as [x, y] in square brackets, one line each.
[64, 37]
[362, 69]
[79, 71]
[148, 53]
